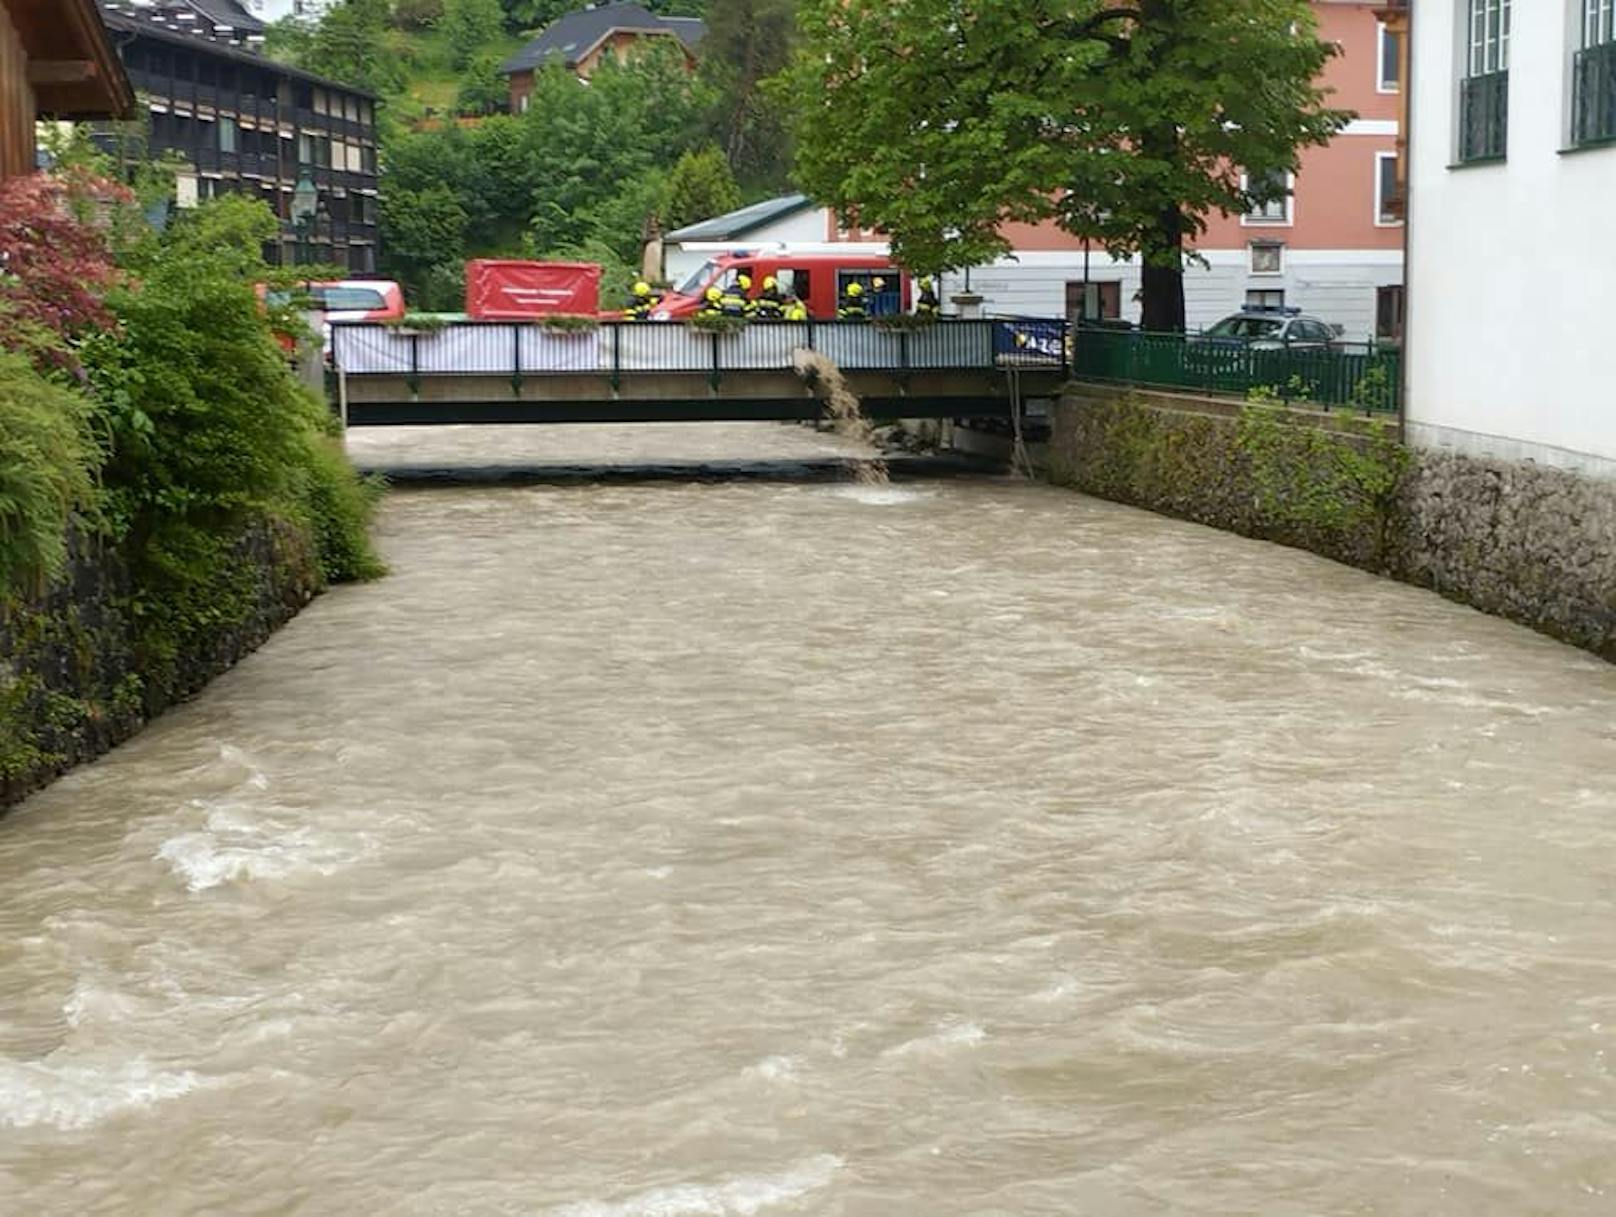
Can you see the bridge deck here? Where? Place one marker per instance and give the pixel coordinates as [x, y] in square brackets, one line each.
[482, 372]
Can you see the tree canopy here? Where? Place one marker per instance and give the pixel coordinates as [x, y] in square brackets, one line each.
[1127, 122]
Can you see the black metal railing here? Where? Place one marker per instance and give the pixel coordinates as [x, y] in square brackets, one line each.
[1484, 117]
[517, 349]
[1594, 95]
[1355, 375]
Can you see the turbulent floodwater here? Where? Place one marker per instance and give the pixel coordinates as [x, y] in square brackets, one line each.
[774, 848]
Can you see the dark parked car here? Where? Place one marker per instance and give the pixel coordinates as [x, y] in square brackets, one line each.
[1271, 330]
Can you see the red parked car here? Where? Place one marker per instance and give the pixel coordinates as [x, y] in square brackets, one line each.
[340, 300]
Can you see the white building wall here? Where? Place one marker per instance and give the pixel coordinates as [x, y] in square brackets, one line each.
[1512, 271]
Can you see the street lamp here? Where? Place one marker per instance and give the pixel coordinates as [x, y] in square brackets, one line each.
[305, 204]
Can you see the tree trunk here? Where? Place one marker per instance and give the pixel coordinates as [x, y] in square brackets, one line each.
[1164, 274]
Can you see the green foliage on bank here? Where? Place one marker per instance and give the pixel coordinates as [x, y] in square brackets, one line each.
[1345, 481]
[48, 458]
[1333, 484]
[170, 434]
[169, 491]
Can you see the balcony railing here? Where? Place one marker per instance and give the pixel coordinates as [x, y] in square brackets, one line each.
[1594, 108]
[1484, 117]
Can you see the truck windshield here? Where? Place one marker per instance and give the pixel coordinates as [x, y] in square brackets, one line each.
[698, 279]
[332, 299]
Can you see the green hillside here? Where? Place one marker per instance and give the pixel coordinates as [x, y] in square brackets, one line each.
[587, 167]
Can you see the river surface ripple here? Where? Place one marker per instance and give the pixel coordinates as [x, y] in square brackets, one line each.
[946, 848]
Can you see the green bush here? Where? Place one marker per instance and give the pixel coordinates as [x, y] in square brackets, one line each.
[47, 458]
[211, 434]
[337, 507]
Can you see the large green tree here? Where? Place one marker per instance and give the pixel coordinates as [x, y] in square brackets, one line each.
[349, 44]
[701, 186]
[747, 42]
[1128, 122]
[468, 26]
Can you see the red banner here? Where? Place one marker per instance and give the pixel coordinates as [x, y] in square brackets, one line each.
[503, 290]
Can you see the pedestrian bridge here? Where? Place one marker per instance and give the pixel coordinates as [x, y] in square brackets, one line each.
[505, 372]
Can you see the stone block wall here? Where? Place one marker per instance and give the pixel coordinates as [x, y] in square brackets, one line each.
[73, 681]
[1533, 544]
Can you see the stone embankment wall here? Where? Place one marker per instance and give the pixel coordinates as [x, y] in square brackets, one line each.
[1534, 544]
[78, 674]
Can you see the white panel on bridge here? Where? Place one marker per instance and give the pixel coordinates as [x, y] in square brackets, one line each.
[493, 348]
[546, 350]
[658, 347]
[464, 349]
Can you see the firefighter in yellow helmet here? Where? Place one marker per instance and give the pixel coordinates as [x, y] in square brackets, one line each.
[769, 305]
[851, 307]
[794, 309]
[732, 301]
[926, 304]
[712, 303]
[642, 301]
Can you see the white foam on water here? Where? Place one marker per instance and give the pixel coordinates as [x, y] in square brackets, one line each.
[959, 1035]
[878, 496]
[69, 1097]
[91, 1003]
[774, 1069]
[236, 846]
[741, 1196]
[1064, 987]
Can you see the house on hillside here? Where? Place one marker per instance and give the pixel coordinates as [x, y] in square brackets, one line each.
[581, 40]
[56, 61]
[244, 124]
[1512, 129]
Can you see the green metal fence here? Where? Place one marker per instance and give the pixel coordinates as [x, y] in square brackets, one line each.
[1357, 376]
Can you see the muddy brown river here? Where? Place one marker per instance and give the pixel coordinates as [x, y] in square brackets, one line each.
[770, 847]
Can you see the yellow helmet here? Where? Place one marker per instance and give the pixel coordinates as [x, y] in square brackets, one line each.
[925, 283]
[642, 288]
[744, 282]
[878, 283]
[768, 283]
[855, 289]
[714, 294]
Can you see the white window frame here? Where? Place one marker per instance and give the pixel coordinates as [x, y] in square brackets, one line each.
[1381, 86]
[1251, 259]
[1248, 220]
[1598, 22]
[1380, 210]
[1487, 30]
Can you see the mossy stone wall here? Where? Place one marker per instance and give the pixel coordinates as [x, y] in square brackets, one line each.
[84, 664]
[1533, 544]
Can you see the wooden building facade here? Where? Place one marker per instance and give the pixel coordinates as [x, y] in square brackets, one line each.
[56, 61]
[246, 124]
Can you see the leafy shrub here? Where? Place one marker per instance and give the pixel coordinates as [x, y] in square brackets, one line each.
[417, 14]
[338, 507]
[209, 428]
[47, 455]
[55, 263]
[569, 323]
[721, 324]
